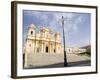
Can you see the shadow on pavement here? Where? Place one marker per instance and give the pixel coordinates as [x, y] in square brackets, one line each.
[70, 64]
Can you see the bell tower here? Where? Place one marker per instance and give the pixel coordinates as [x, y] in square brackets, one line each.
[31, 30]
[29, 46]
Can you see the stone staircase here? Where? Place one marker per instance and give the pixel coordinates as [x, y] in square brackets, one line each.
[44, 59]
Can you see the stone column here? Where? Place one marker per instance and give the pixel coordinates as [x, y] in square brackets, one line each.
[25, 63]
[42, 48]
[45, 47]
[50, 48]
[33, 47]
[53, 48]
[36, 47]
[57, 48]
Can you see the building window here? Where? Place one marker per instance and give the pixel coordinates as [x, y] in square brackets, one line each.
[54, 50]
[29, 45]
[46, 49]
[38, 50]
[31, 32]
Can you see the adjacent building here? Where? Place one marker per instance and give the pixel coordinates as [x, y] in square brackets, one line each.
[75, 50]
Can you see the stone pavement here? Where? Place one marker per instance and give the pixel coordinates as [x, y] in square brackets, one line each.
[44, 60]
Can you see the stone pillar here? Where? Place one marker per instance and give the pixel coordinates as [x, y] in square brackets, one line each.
[33, 47]
[42, 48]
[25, 63]
[57, 48]
[53, 48]
[50, 47]
[36, 47]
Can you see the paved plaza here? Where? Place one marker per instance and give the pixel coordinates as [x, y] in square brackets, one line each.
[46, 60]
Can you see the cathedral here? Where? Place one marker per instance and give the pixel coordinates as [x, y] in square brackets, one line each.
[43, 41]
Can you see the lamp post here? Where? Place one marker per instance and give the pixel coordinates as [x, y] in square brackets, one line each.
[65, 57]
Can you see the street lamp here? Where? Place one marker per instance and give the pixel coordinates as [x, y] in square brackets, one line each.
[65, 58]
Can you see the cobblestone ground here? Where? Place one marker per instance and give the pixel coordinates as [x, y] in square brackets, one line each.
[44, 60]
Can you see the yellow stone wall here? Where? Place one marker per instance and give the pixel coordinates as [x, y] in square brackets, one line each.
[44, 41]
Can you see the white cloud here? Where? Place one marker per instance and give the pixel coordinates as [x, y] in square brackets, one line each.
[78, 19]
[74, 26]
[71, 21]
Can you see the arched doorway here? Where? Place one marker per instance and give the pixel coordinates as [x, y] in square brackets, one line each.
[46, 49]
[54, 51]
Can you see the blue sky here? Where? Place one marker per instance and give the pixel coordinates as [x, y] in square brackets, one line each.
[77, 25]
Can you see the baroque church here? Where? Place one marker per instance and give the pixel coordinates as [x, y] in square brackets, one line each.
[45, 41]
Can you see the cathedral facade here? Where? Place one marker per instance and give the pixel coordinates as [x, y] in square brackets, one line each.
[43, 41]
